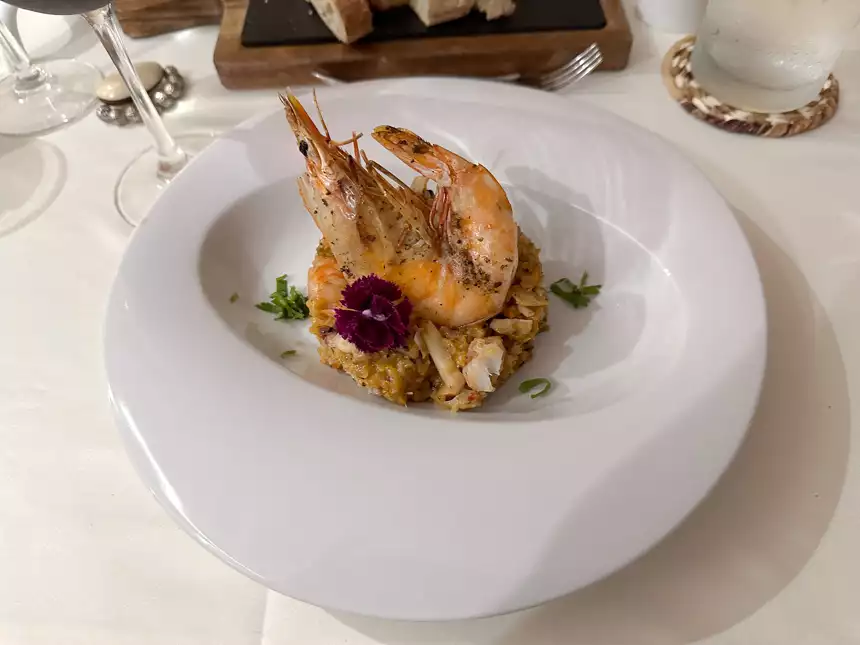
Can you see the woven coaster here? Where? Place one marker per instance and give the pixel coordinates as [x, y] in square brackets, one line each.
[705, 107]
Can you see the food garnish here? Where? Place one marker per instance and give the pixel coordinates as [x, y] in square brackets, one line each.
[578, 295]
[289, 352]
[286, 302]
[373, 314]
[234, 298]
[417, 295]
[531, 384]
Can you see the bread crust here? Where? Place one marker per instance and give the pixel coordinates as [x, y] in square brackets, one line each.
[348, 20]
[494, 9]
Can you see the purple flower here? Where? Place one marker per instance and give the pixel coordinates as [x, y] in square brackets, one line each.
[374, 314]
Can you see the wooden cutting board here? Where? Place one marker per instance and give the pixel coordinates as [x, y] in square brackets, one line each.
[276, 43]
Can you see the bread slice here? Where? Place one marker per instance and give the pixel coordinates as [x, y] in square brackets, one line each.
[384, 5]
[494, 9]
[432, 12]
[348, 20]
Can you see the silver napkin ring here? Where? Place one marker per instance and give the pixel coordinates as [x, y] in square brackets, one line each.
[164, 94]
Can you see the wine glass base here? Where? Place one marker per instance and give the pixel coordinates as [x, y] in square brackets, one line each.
[68, 94]
[139, 185]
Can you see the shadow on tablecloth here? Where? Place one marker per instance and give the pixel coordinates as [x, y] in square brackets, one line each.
[33, 173]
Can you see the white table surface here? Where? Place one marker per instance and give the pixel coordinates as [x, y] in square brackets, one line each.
[87, 557]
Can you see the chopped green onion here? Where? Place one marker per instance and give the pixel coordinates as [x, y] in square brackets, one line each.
[531, 384]
[268, 307]
[289, 352]
[286, 302]
[234, 298]
[578, 295]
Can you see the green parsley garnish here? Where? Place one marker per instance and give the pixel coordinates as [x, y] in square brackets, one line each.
[532, 383]
[578, 295]
[289, 352]
[234, 298]
[286, 302]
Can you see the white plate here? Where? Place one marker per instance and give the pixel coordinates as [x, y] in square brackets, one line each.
[303, 481]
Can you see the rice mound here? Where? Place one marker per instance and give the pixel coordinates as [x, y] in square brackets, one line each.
[408, 374]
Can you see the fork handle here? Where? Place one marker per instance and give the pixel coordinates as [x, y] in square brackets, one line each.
[328, 79]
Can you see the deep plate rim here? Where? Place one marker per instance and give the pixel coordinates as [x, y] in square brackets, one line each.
[482, 93]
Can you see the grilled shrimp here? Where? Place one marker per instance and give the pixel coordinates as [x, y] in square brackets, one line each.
[325, 284]
[474, 221]
[453, 256]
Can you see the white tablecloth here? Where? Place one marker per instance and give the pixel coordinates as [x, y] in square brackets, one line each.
[87, 557]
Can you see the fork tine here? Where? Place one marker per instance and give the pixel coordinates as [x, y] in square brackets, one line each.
[586, 54]
[563, 83]
[571, 73]
[573, 70]
[573, 76]
[582, 60]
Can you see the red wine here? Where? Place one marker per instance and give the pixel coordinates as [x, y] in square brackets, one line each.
[58, 7]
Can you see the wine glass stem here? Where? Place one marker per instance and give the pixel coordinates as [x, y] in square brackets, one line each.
[171, 158]
[27, 76]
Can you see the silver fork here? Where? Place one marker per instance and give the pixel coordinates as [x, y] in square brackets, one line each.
[572, 71]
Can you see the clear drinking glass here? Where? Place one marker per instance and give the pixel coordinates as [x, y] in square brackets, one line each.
[36, 99]
[145, 177]
[771, 55]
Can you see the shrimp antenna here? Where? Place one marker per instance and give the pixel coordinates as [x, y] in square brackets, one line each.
[382, 169]
[322, 118]
[353, 139]
[283, 96]
[356, 152]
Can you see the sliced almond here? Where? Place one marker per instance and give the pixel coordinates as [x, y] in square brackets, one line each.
[451, 376]
[515, 327]
[485, 361]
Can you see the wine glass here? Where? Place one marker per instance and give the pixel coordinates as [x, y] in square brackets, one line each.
[143, 179]
[36, 99]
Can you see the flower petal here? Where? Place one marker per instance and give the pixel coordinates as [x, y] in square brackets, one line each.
[384, 288]
[373, 336]
[375, 316]
[404, 308]
[381, 308]
[358, 294]
[346, 322]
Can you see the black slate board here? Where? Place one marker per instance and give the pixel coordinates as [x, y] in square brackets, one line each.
[294, 22]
